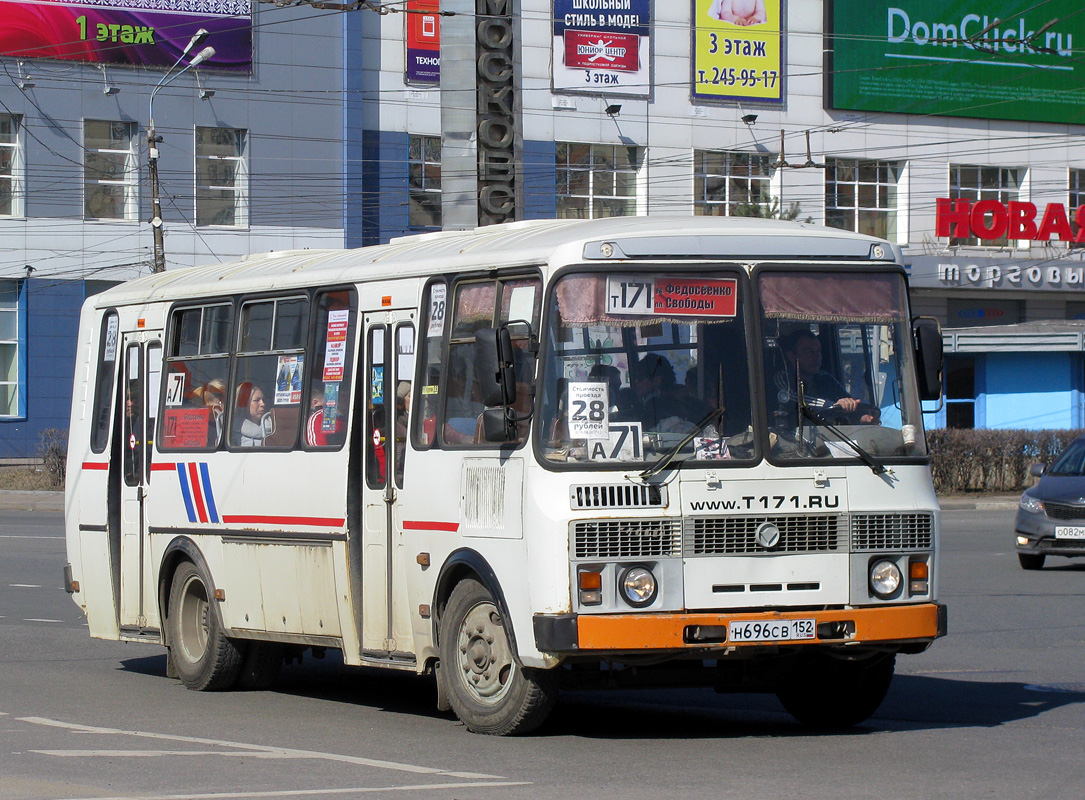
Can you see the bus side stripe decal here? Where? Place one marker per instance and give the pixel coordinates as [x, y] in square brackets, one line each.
[182, 477]
[95, 465]
[206, 476]
[197, 496]
[414, 525]
[316, 522]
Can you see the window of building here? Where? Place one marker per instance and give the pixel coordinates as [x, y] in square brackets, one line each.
[1077, 199]
[730, 184]
[861, 196]
[11, 167]
[221, 177]
[960, 375]
[110, 170]
[10, 329]
[983, 183]
[596, 180]
[424, 169]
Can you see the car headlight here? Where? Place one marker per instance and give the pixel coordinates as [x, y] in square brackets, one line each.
[885, 578]
[1031, 504]
[638, 586]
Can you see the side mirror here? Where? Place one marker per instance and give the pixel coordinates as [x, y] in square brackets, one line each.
[497, 426]
[494, 360]
[928, 356]
[267, 424]
[1036, 470]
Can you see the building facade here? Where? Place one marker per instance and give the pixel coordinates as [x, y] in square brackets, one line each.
[250, 159]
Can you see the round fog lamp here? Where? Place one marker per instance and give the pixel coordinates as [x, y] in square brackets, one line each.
[885, 578]
[638, 586]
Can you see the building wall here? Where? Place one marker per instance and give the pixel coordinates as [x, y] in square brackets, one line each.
[1023, 391]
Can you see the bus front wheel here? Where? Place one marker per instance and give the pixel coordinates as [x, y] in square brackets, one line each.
[204, 657]
[828, 692]
[489, 691]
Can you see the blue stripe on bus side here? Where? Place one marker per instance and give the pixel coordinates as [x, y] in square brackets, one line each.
[208, 496]
[182, 475]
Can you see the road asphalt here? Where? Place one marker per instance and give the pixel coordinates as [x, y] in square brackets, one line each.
[11, 500]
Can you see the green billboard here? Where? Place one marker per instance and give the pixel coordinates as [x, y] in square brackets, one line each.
[989, 59]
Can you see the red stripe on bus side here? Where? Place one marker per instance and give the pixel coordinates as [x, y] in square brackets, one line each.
[415, 525]
[163, 467]
[95, 465]
[197, 496]
[316, 522]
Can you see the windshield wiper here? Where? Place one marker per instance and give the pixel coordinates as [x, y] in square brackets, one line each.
[875, 466]
[664, 460]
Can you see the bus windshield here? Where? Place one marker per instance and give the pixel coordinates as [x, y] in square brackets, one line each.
[638, 365]
[837, 365]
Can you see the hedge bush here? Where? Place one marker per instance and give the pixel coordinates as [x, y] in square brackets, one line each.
[977, 460]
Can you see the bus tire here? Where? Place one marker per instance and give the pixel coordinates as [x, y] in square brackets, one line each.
[827, 692]
[489, 691]
[204, 657]
[261, 665]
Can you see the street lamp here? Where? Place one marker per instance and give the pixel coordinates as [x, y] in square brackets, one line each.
[152, 140]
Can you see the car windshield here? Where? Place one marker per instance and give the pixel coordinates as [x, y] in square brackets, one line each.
[639, 365]
[837, 365]
[1070, 461]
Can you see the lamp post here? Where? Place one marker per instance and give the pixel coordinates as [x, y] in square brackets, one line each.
[153, 140]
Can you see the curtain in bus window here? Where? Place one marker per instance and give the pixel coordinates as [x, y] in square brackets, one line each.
[832, 297]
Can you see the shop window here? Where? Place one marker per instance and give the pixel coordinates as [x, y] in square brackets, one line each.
[11, 166]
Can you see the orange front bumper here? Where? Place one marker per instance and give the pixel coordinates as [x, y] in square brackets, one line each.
[884, 624]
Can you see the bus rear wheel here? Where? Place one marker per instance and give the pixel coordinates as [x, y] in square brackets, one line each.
[204, 657]
[828, 692]
[489, 691]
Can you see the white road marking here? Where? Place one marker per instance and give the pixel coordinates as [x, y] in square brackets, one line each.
[281, 752]
[28, 536]
[416, 787]
[24, 585]
[42, 620]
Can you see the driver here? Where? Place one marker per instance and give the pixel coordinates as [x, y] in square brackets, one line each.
[802, 350]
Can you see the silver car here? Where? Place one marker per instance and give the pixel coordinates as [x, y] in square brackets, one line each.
[1051, 514]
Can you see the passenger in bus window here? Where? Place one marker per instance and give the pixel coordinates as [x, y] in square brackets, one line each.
[461, 406]
[213, 396]
[652, 399]
[133, 425]
[403, 402]
[250, 412]
[326, 426]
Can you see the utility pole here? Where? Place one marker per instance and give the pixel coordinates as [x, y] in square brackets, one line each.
[153, 141]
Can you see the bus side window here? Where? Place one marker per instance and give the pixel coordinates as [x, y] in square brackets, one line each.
[106, 369]
[434, 306]
[193, 401]
[267, 395]
[329, 385]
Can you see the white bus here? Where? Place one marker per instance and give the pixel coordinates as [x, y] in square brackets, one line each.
[542, 455]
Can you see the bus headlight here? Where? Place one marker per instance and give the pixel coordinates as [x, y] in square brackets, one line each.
[638, 586]
[885, 578]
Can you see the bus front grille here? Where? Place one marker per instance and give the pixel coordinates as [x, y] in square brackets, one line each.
[810, 533]
[627, 538]
[892, 531]
[621, 495]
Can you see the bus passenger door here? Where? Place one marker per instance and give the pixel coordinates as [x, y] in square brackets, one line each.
[389, 366]
[138, 400]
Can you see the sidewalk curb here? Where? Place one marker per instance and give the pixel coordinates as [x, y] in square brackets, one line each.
[13, 500]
